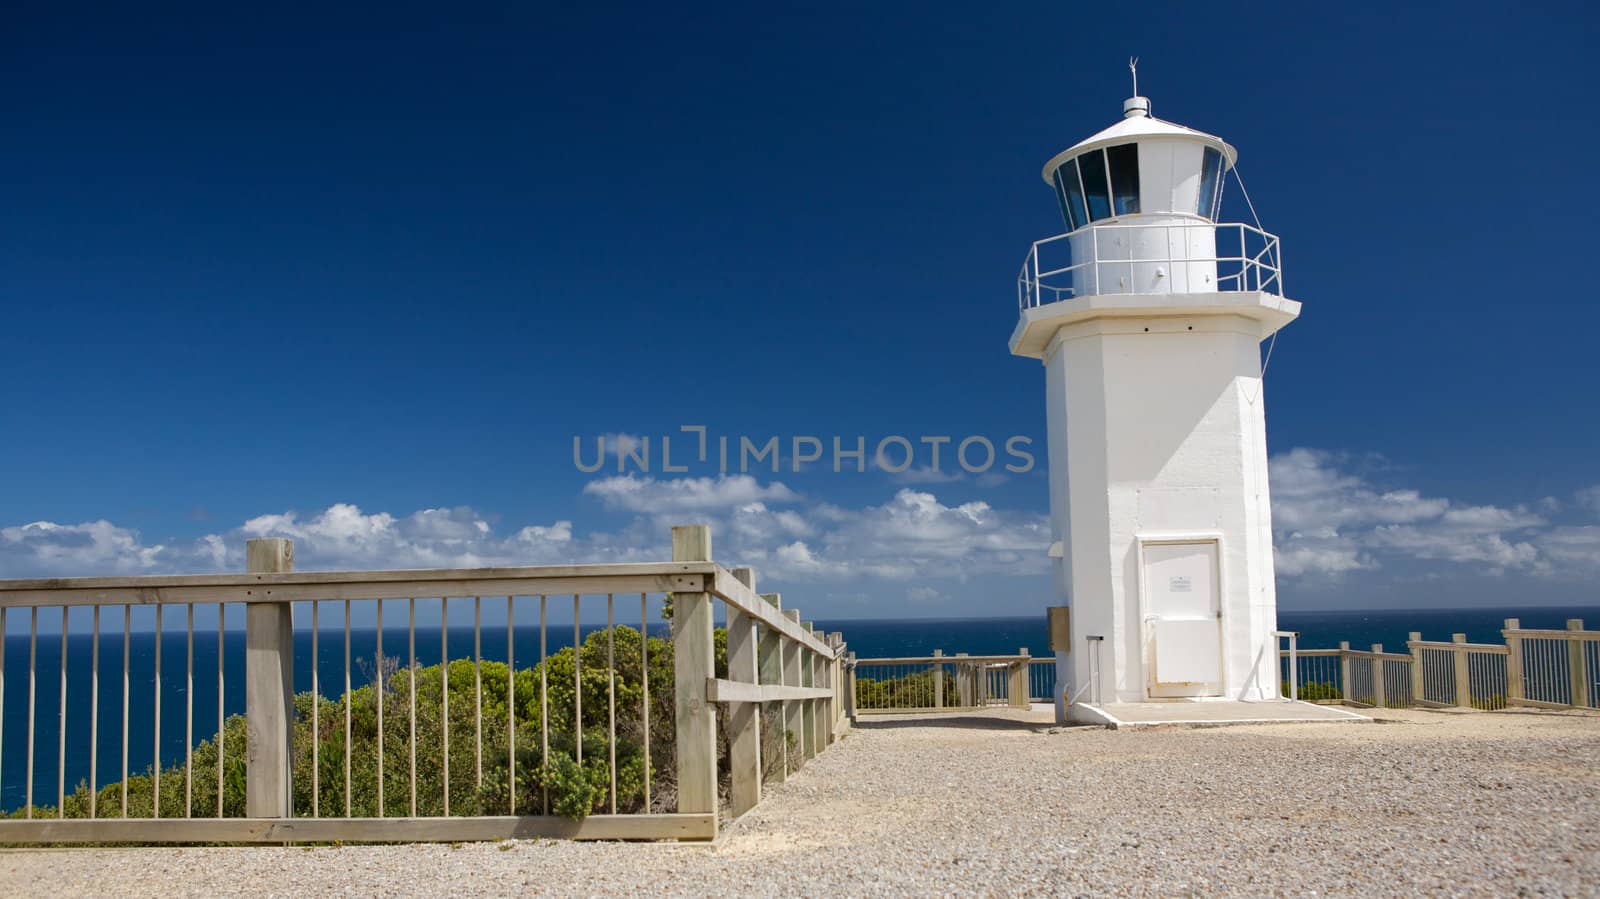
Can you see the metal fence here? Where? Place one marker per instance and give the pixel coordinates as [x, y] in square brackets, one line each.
[613, 736]
[1243, 258]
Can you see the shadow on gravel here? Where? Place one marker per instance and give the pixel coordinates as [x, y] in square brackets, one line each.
[959, 722]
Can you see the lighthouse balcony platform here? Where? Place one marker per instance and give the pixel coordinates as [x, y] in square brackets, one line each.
[1144, 254]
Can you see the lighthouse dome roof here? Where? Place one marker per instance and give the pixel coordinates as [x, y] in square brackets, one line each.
[1137, 125]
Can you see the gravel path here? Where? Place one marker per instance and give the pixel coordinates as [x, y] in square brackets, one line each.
[1437, 802]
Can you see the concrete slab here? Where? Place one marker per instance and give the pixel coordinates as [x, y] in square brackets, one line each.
[1210, 713]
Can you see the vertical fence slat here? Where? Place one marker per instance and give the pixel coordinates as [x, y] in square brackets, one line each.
[222, 617]
[3, 692]
[33, 662]
[644, 680]
[477, 689]
[511, 706]
[316, 719]
[411, 714]
[94, 708]
[577, 686]
[127, 629]
[544, 695]
[611, 694]
[381, 688]
[444, 696]
[188, 717]
[347, 710]
[61, 729]
[155, 764]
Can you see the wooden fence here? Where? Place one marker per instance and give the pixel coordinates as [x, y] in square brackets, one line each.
[779, 671]
[953, 683]
[1556, 669]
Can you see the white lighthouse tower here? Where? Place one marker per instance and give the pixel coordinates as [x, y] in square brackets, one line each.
[1149, 316]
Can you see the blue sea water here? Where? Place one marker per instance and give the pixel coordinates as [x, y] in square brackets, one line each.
[867, 638]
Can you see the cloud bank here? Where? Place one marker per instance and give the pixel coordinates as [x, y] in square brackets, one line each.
[1335, 518]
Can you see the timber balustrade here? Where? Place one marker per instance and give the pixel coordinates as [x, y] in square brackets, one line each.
[954, 683]
[509, 768]
[1554, 669]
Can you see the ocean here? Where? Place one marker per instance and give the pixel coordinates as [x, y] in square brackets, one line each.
[867, 638]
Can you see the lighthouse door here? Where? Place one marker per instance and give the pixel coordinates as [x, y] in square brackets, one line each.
[1183, 633]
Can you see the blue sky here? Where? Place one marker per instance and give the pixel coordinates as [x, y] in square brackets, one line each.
[360, 276]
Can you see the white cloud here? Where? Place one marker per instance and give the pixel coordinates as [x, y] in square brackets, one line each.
[1589, 498]
[1332, 516]
[47, 549]
[1330, 519]
[925, 474]
[678, 496]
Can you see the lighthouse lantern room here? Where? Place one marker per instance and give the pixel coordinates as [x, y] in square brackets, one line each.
[1148, 316]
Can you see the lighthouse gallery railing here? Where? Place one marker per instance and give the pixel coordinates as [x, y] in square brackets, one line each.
[1049, 272]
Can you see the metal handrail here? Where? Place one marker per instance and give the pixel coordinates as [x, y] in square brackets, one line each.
[1262, 270]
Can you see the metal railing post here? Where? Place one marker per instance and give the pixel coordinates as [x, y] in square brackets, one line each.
[938, 680]
[269, 688]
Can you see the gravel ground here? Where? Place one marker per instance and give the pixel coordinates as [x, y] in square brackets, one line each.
[1437, 802]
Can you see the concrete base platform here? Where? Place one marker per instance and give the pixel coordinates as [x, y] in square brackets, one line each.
[1208, 713]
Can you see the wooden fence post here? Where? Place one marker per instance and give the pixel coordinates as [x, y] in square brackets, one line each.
[963, 681]
[269, 688]
[744, 718]
[1577, 674]
[1463, 674]
[836, 681]
[693, 664]
[1379, 689]
[850, 694]
[1514, 689]
[771, 648]
[938, 679]
[1344, 669]
[1418, 681]
[794, 712]
[1018, 688]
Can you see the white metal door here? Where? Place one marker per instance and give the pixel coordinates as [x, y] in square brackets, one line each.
[1183, 629]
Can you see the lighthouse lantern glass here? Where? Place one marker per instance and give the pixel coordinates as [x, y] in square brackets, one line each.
[1069, 193]
[1092, 166]
[1210, 175]
[1123, 161]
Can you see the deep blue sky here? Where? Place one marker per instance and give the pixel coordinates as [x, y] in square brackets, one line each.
[256, 261]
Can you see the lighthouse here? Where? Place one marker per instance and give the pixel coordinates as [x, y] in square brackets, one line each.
[1149, 316]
